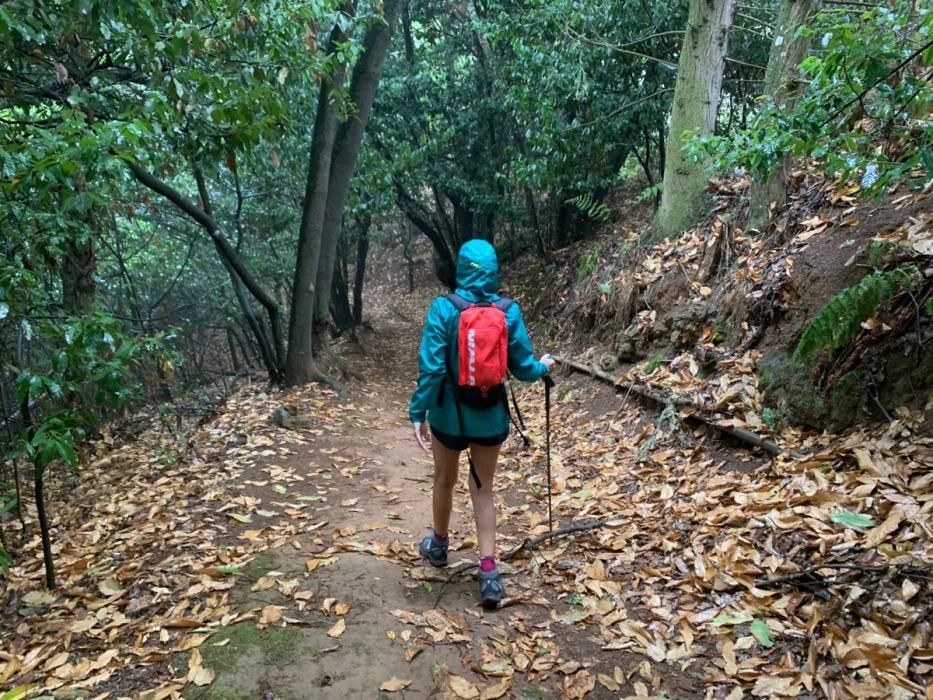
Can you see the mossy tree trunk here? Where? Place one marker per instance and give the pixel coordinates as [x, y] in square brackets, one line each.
[696, 102]
[782, 88]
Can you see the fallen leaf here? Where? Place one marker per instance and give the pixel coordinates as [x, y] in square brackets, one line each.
[493, 692]
[462, 688]
[39, 598]
[110, 587]
[270, 615]
[732, 618]
[608, 682]
[393, 685]
[856, 521]
[762, 633]
[578, 685]
[337, 629]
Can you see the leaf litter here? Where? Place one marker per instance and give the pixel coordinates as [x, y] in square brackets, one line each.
[806, 574]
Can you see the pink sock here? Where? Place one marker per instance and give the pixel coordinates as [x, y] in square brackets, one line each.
[439, 537]
[487, 564]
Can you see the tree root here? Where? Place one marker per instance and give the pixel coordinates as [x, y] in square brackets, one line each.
[318, 375]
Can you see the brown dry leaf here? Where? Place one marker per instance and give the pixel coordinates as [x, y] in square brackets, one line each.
[56, 661]
[350, 502]
[394, 684]
[198, 674]
[462, 688]
[412, 652]
[496, 691]
[192, 641]
[337, 629]
[39, 598]
[341, 608]
[608, 682]
[270, 615]
[263, 583]
[110, 587]
[578, 685]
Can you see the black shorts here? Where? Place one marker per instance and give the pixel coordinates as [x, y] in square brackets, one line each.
[460, 442]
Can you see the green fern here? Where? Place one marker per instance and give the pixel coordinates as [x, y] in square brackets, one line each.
[839, 321]
[590, 207]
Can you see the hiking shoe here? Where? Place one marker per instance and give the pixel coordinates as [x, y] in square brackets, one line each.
[435, 552]
[491, 590]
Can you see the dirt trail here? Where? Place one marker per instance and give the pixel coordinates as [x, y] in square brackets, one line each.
[369, 487]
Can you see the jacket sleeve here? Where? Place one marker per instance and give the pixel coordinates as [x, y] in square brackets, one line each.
[522, 362]
[432, 362]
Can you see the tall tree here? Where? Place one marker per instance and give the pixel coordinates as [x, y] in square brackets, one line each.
[333, 158]
[782, 89]
[696, 102]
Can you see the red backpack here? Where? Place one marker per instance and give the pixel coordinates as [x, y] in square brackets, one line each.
[482, 350]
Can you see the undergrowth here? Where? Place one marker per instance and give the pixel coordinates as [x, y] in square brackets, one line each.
[840, 320]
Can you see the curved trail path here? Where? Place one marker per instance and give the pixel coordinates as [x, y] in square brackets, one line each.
[363, 488]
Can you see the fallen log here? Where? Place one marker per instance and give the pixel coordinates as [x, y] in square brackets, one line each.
[746, 436]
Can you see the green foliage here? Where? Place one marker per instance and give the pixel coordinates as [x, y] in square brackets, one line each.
[589, 206]
[855, 521]
[840, 320]
[588, 263]
[863, 118]
[653, 364]
[762, 633]
[649, 193]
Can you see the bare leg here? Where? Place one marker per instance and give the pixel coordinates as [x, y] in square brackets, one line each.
[446, 463]
[484, 509]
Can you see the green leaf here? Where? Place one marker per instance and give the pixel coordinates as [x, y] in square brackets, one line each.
[240, 518]
[18, 692]
[856, 521]
[732, 618]
[280, 489]
[761, 632]
[229, 570]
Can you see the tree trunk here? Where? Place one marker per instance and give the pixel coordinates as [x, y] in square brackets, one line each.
[409, 258]
[359, 274]
[782, 88]
[299, 363]
[696, 101]
[44, 531]
[365, 80]
[78, 266]
[340, 311]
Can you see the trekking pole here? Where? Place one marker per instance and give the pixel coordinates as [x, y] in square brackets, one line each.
[548, 384]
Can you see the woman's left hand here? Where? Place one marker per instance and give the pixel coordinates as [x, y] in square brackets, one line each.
[422, 436]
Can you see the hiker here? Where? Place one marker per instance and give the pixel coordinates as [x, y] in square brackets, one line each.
[488, 331]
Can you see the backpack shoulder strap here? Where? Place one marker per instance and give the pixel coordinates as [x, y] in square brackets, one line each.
[504, 304]
[458, 301]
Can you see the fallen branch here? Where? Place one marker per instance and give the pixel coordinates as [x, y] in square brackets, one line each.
[743, 435]
[532, 543]
[810, 578]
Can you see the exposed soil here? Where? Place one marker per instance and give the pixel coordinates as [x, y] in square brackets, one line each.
[369, 487]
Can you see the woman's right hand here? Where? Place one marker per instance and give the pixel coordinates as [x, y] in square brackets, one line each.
[547, 361]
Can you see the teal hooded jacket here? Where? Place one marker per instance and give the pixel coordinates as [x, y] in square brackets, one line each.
[477, 281]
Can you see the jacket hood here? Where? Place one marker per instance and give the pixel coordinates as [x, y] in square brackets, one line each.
[478, 268]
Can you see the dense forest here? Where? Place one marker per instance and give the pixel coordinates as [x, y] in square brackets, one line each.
[223, 222]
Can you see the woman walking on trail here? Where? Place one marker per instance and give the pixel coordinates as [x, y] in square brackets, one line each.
[460, 420]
